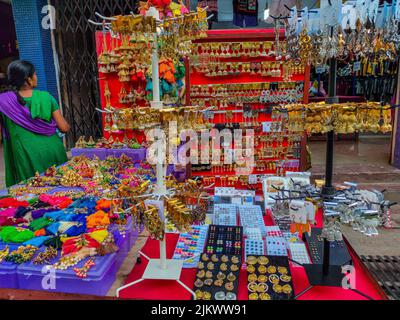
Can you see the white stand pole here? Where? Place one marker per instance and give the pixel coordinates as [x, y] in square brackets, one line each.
[156, 103]
[163, 255]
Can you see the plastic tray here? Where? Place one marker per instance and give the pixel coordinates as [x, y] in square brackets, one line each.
[3, 193]
[124, 241]
[8, 272]
[99, 279]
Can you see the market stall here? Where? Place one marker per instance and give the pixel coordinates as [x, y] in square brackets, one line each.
[215, 232]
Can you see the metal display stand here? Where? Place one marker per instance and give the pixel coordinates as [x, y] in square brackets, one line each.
[328, 189]
[326, 274]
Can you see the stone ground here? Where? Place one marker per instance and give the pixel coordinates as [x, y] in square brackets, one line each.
[365, 162]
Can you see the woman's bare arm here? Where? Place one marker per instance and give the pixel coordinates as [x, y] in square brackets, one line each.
[62, 124]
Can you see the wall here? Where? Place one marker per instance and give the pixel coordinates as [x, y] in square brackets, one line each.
[35, 41]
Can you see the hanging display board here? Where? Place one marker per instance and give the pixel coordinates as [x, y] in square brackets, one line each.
[236, 73]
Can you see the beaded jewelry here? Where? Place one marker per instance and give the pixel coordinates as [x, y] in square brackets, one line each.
[22, 254]
[82, 272]
[4, 253]
[46, 256]
[68, 261]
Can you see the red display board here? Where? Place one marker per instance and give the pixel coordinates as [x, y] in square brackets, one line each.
[171, 290]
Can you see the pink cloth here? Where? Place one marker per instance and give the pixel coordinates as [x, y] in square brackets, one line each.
[8, 213]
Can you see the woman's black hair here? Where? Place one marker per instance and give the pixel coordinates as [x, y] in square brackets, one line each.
[18, 72]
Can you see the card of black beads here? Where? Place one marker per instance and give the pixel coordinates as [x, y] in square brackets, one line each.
[217, 277]
[273, 273]
[224, 240]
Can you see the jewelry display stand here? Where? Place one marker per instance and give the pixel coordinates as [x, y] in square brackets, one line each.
[266, 74]
[162, 268]
[325, 274]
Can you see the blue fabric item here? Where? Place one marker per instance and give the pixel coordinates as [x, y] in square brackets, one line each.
[55, 216]
[39, 213]
[53, 228]
[149, 85]
[75, 231]
[67, 217]
[243, 20]
[166, 87]
[80, 218]
[37, 241]
[89, 203]
[179, 83]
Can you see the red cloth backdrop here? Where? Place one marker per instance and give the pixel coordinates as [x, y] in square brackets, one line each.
[115, 86]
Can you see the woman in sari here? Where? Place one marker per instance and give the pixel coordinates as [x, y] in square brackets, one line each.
[29, 119]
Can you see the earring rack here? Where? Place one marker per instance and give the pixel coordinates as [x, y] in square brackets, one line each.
[130, 89]
[162, 268]
[246, 111]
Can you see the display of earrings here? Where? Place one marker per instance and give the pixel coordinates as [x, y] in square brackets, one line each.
[243, 105]
[179, 214]
[108, 60]
[107, 125]
[217, 69]
[133, 96]
[227, 94]
[342, 118]
[365, 39]
[153, 223]
[233, 49]
[124, 69]
[128, 51]
[283, 93]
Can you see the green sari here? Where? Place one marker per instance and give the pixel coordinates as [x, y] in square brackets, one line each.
[26, 153]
